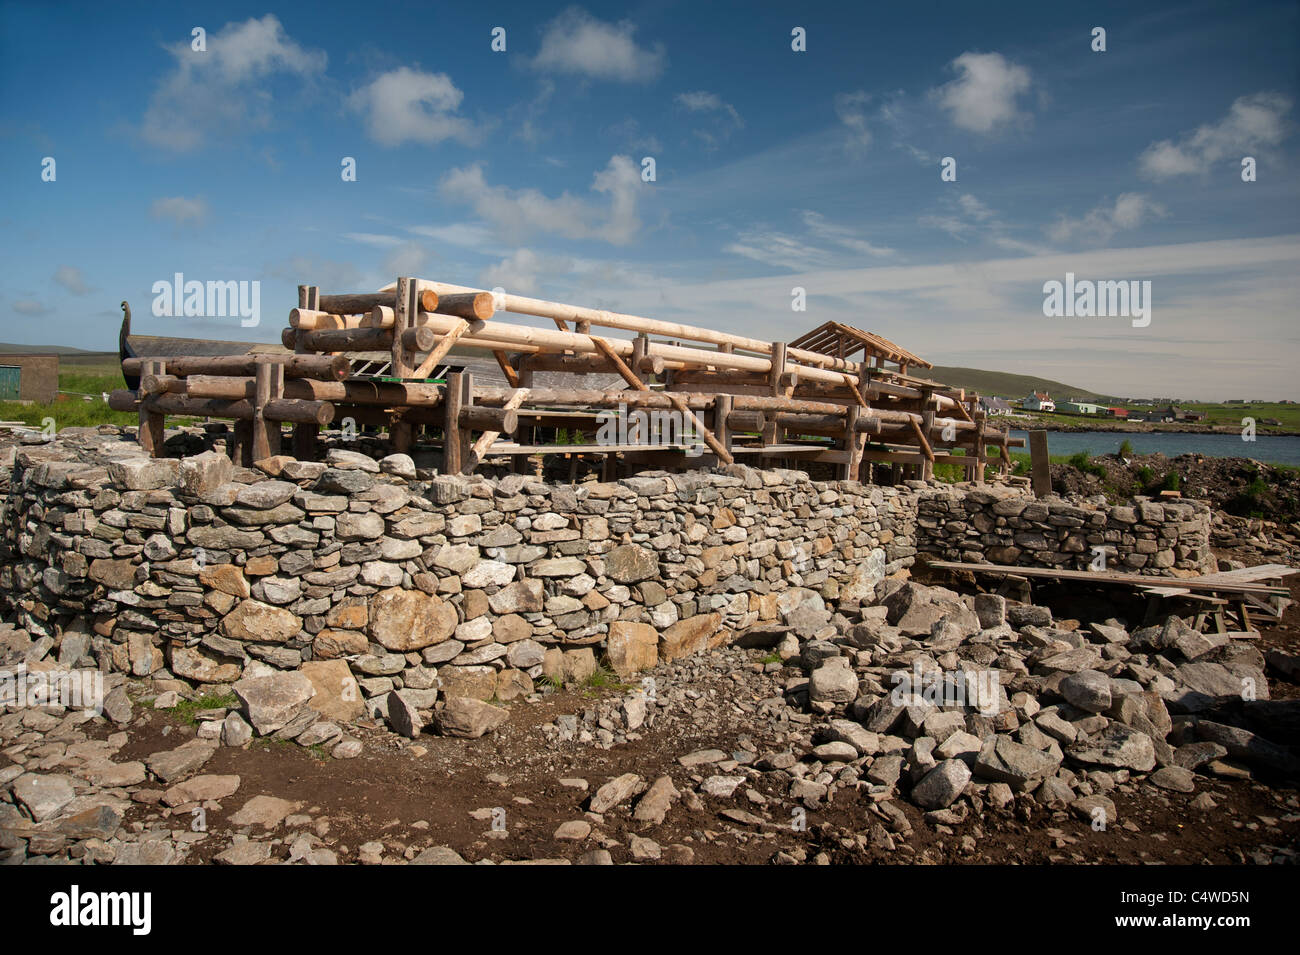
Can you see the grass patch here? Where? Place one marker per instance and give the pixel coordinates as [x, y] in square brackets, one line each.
[185, 710]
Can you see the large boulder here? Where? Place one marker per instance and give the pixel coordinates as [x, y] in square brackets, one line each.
[258, 622]
[689, 636]
[270, 699]
[337, 695]
[468, 718]
[406, 620]
[632, 647]
[630, 564]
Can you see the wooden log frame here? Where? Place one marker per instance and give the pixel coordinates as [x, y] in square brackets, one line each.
[630, 377]
[292, 410]
[355, 391]
[321, 367]
[579, 315]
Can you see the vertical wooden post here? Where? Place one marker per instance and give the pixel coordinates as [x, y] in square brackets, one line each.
[981, 450]
[406, 309]
[455, 440]
[1040, 465]
[451, 458]
[268, 384]
[721, 409]
[778, 367]
[853, 443]
[640, 348]
[927, 428]
[152, 429]
[304, 435]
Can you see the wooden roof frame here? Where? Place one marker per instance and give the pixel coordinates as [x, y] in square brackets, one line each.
[841, 341]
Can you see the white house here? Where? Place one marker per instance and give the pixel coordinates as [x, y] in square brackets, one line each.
[1039, 401]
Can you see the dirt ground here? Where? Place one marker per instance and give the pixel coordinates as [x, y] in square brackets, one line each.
[442, 792]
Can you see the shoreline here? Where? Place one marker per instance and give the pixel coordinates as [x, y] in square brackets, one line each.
[1017, 424]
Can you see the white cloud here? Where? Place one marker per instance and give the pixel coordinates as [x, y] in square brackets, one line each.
[720, 127]
[72, 280]
[517, 273]
[408, 258]
[517, 213]
[373, 239]
[820, 228]
[851, 108]
[218, 91]
[1254, 124]
[30, 307]
[809, 251]
[180, 210]
[983, 97]
[1128, 211]
[629, 135]
[969, 216]
[576, 42]
[777, 249]
[409, 105]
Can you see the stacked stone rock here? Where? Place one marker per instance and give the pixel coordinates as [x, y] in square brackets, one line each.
[455, 587]
[1008, 527]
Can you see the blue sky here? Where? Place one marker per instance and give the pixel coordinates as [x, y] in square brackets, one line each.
[775, 169]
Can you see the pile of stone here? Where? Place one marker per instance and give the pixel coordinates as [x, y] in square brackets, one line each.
[1063, 712]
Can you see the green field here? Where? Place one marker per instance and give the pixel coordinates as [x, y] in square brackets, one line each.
[1007, 385]
[84, 373]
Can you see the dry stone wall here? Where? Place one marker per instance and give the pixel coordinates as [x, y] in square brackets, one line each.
[366, 570]
[1006, 527]
[471, 587]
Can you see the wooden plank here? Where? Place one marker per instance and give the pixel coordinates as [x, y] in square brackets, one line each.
[1106, 577]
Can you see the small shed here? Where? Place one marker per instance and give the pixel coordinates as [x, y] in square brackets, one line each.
[29, 377]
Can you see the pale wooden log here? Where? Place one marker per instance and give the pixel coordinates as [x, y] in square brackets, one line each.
[283, 409]
[576, 314]
[583, 344]
[160, 385]
[440, 350]
[323, 367]
[655, 399]
[381, 316]
[307, 320]
[471, 305]
[358, 303]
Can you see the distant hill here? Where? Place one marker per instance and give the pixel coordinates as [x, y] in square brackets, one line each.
[1009, 386]
[47, 350]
